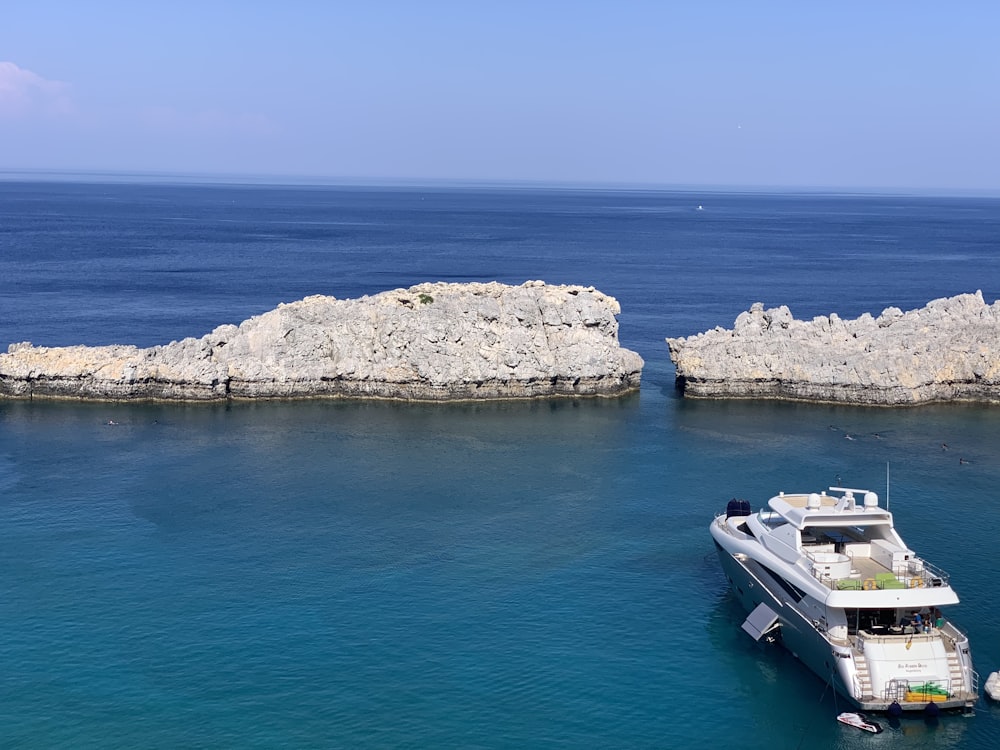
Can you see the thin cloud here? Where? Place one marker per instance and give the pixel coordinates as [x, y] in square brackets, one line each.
[205, 123]
[26, 94]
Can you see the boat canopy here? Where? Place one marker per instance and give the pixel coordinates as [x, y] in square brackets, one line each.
[825, 510]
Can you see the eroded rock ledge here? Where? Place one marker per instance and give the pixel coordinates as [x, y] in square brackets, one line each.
[946, 351]
[434, 341]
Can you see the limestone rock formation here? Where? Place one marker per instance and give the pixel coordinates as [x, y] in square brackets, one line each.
[946, 351]
[434, 341]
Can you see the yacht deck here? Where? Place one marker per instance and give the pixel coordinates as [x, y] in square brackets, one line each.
[851, 570]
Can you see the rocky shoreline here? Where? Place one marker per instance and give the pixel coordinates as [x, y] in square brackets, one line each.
[432, 342]
[947, 351]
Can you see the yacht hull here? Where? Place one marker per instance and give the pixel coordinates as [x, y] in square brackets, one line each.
[793, 632]
[798, 627]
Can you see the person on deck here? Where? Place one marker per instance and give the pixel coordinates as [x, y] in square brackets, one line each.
[906, 623]
[938, 619]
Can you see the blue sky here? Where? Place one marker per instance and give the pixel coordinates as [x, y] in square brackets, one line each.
[858, 95]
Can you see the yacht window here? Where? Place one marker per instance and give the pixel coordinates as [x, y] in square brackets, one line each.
[852, 621]
[770, 519]
[872, 620]
[793, 591]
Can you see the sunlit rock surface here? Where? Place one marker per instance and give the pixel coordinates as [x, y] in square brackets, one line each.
[434, 341]
[946, 351]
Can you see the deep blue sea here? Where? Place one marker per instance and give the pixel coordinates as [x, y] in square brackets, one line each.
[347, 574]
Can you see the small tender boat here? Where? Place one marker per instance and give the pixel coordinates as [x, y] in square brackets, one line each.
[860, 721]
[993, 686]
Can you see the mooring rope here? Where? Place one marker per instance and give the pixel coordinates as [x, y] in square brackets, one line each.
[821, 697]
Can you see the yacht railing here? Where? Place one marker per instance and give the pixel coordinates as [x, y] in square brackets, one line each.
[925, 691]
[856, 688]
[892, 634]
[868, 575]
[921, 570]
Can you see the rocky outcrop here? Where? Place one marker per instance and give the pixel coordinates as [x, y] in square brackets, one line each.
[433, 341]
[946, 351]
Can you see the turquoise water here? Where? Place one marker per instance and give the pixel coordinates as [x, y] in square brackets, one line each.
[371, 574]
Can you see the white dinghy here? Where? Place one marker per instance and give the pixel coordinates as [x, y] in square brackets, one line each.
[860, 721]
[992, 687]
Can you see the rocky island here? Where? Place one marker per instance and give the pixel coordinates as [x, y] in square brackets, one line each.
[434, 341]
[946, 351]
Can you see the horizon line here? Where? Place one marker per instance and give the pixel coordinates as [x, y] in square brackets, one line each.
[291, 180]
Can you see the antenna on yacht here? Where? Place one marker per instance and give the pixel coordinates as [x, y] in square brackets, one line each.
[887, 485]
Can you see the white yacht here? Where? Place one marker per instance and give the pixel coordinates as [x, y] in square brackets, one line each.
[827, 576]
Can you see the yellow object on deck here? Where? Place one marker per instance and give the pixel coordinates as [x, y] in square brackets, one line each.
[912, 697]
